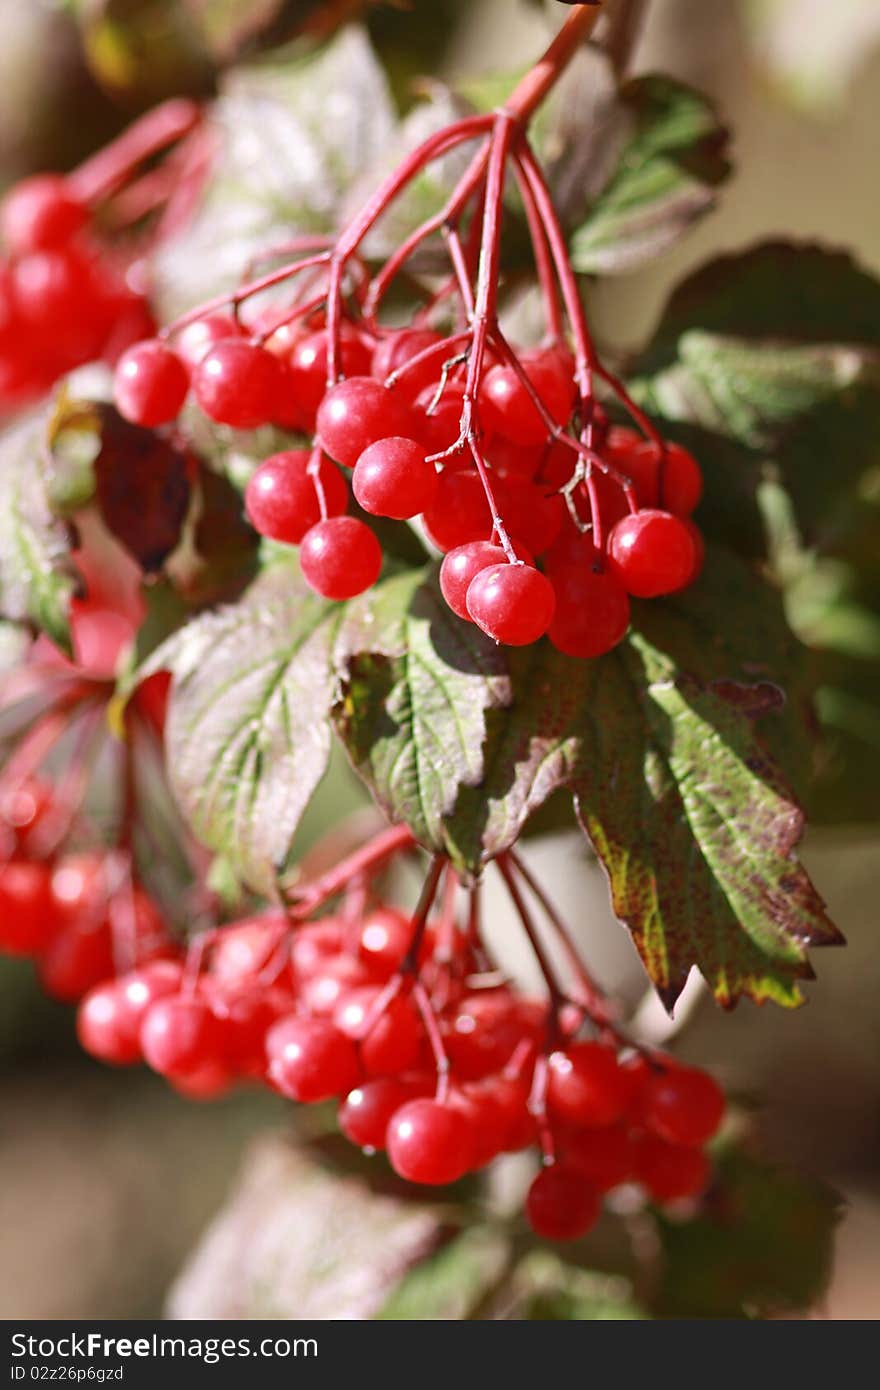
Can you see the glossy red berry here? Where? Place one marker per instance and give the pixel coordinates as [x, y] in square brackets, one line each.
[429, 1142]
[150, 384]
[459, 512]
[401, 346]
[592, 611]
[670, 1172]
[438, 423]
[603, 1158]
[307, 359]
[584, 1085]
[311, 1060]
[512, 603]
[40, 213]
[391, 478]
[532, 515]
[462, 565]
[365, 1113]
[27, 916]
[669, 479]
[507, 408]
[652, 553]
[179, 1035]
[683, 1105]
[238, 383]
[109, 1018]
[281, 497]
[340, 557]
[560, 1205]
[383, 940]
[355, 413]
[197, 338]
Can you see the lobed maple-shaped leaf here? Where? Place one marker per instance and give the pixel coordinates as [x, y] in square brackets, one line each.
[683, 802]
[248, 732]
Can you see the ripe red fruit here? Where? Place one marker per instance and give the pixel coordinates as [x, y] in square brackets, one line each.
[340, 557]
[429, 1143]
[670, 1171]
[530, 513]
[584, 1085]
[671, 479]
[321, 992]
[512, 603]
[308, 367]
[281, 498]
[394, 1041]
[366, 1111]
[464, 563]
[486, 1028]
[179, 1036]
[592, 611]
[109, 1018]
[57, 300]
[27, 916]
[652, 553]
[197, 338]
[683, 1105]
[238, 384]
[441, 428]
[459, 512]
[243, 948]
[560, 1205]
[311, 1060]
[355, 413]
[383, 940]
[506, 407]
[399, 347]
[40, 214]
[150, 384]
[391, 478]
[601, 1157]
[25, 809]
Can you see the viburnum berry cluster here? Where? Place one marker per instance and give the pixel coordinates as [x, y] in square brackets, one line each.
[74, 282]
[550, 516]
[431, 1053]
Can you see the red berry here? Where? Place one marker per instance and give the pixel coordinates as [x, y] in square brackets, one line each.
[512, 603]
[584, 1085]
[464, 563]
[507, 408]
[384, 939]
[429, 1143]
[592, 611]
[529, 513]
[40, 214]
[670, 479]
[441, 428]
[459, 512]
[197, 338]
[281, 497]
[25, 809]
[560, 1205]
[238, 384]
[308, 367]
[683, 1105]
[150, 384]
[652, 553]
[109, 1017]
[391, 478]
[485, 1030]
[355, 413]
[366, 1111]
[601, 1157]
[510, 460]
[57, 298]
[311, 1060]
[670, 1171]
[243, 948]
[27, 917]
[399, 347]
[394, 1040]
[322, 992]
[179, 1035]
[340, 557]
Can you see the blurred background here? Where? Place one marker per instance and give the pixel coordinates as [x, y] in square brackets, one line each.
[108, 1180]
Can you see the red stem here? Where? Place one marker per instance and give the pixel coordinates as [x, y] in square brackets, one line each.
[107, 170]
[307, 898]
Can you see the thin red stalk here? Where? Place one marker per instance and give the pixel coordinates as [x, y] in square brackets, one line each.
[591, 996]
[438, 1051]
[645, 424]
[370, 857]
[539, 81]
[543, 259]
[238, 297]
[314, 471]
[557, 997]
[460, 267]
[420, 358]
[105, 171]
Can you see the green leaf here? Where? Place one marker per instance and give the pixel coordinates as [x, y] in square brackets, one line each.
[453, 1282]
[248, 733]
[416, 686]
[293, 135]
[761, 1245]
[37, 577]
[682, 800]
[665, 178]
[545, 1288]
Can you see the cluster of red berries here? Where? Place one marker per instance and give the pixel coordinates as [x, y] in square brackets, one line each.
[65, 297]
[394, 421]
[78, 916]
[329, 1011]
